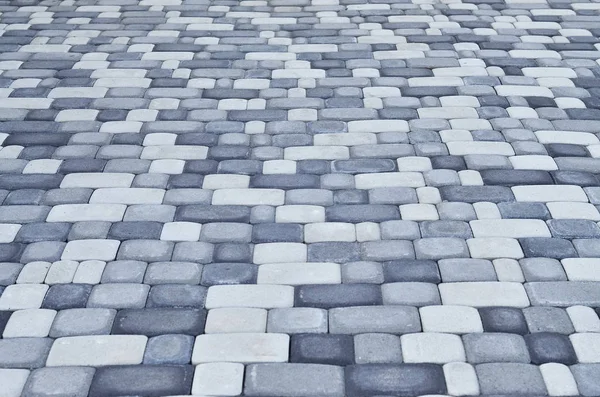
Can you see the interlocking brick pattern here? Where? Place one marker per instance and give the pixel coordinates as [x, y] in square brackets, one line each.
[293, 198]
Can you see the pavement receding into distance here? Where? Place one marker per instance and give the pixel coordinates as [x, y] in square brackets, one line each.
[299, 198]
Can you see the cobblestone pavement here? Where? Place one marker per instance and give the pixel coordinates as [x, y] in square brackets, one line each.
[299, 198]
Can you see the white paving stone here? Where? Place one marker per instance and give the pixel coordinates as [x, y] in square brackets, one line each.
[97, 350]
[241, 348]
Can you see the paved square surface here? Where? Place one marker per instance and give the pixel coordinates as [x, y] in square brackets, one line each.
[299, 198]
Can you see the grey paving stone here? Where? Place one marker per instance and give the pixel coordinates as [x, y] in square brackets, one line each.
[170, 349]
[145, 250]
[548, 319]
[9, 272]
[492, 347]
[586, 376]
[466, 269]
[542, 269]
[71, 381]
[124, 272]
[176, 295]
[338, 252]
[377, 349]
[374, 319]
[173, 273]
[563, 293]
[362, 272]
[394, 379]
[510, 378]
[291, 380]
[118, 296]
[26, 353]
[76, 322]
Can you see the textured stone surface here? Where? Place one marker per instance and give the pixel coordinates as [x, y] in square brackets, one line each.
[299, 198]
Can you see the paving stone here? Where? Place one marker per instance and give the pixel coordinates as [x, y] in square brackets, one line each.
[97, 350]
[171, 349]
[159, 321]
[29, 323]
[322, 349]
[142, 380]
[26, 353]
[377, 348]
[118, 296]
[218, 378]
[330, 296]
[375, 319]
[548, 319]
[586, 376]
[545, 347]
[244, 348]
[381, 379]
[73, 381]
[503, 319]
[432, 347]
[76, 322]
[13, 381]
[294, 380]
[490, 347]
[509, 378]
[297, 320]
[67, 296]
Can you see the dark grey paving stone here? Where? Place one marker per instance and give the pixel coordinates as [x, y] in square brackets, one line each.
[159, 321]
[277, 232]
[547, 247]
[546, 347]
[135, 231]
[208, 214]
[35, 232]
[361, 213]
[524, 211]
[322, 349]
[394, 379]
[411, 270]
[4, 317]
[67, 296]
[142, 380]
[573, 228]
[516, 177]
[503, 319]
[337, 295]
[474, 194]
